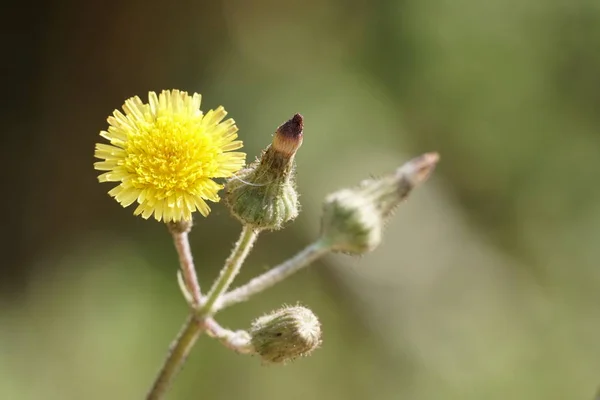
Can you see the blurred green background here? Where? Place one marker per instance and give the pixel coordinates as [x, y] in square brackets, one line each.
[487, 285]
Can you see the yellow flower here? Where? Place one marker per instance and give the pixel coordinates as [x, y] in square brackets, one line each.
[166, 153]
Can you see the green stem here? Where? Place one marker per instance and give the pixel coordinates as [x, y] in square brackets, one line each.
[275, 274]
[178, 352]
[230, 270]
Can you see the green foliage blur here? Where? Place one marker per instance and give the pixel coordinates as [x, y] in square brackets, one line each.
[487, 285]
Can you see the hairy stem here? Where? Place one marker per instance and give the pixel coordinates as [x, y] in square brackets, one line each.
[178, 352]
[238, 341]
[186, 263]
[230, 270]
[275, 275]
[192, 328]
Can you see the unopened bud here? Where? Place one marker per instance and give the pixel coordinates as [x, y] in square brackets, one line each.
[264, 195]
[353, 219]
[285, 334]
[288, 137]
[351, 223]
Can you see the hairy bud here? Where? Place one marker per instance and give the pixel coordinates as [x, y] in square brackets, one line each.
[264, 195]
[353, 219]
[285, 334]
[351, 223]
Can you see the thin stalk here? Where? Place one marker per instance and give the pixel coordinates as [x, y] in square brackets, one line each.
[275, 275]
[192, 328]
[186, 262]
[178, 352]
[238, 341]
[230, 270]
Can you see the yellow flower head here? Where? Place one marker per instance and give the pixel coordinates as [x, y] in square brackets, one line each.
[166, 153]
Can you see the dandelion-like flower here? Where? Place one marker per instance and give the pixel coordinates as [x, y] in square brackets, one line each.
[165, 155]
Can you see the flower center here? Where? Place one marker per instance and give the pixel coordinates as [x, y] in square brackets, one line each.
[173, 153]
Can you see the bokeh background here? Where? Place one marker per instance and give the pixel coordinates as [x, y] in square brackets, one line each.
[488, 283]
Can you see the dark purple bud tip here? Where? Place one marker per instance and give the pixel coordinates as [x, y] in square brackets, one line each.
[292, 127]
[288, 137]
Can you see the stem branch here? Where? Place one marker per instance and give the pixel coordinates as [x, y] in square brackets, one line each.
[238, 341]
[274, 275]
[230, 270]
[186, 263]
[192, 328]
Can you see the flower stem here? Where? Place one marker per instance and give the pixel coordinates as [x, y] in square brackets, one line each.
[186, 262]
[238, 341]
[178, 352]
[230, 270]
[192, 328]
[275, 275]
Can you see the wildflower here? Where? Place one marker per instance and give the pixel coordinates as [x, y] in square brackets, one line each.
[165, 155]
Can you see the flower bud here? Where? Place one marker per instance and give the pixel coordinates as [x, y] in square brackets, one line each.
[350, 222]
[285, 334]
[353, 219]
[264, 195]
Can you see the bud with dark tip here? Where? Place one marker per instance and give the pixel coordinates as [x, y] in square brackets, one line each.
[264, 194]
[353, 219]
[285, 334]
[288, 137]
